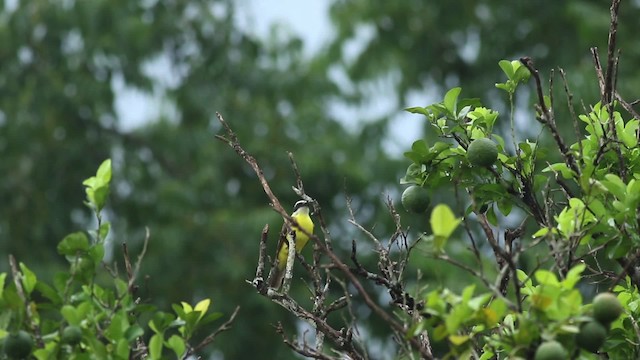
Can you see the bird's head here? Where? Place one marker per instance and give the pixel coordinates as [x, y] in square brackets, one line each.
[302, 206]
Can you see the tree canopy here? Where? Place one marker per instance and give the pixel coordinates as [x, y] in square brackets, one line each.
[62, 63]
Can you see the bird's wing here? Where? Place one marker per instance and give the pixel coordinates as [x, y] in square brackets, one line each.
[282, 240]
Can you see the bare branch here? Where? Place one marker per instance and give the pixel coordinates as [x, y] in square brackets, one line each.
[209, 339]
[547, 118]
[609, 88]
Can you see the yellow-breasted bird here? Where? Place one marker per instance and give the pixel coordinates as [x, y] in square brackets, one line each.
[301, 215]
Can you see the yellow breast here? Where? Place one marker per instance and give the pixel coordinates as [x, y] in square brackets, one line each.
[304, 221]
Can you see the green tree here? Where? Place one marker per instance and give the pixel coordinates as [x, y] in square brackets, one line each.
[60, 61]
[88, 311]
[525, 295]
[449, 44]
[203, 209]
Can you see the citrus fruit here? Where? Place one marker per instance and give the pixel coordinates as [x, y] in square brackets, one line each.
[416, 199]
[482, 152]
[606, 308]
[591, 336]
[551, 350]
[18, 345]
[72, 335]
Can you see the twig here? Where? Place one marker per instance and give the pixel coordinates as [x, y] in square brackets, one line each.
[609, 89]
[131, 272]
[259, 281]
[572, 111]
[304, 350]
[206, 341]
[325, 248]
[547, 118]
[17, 280]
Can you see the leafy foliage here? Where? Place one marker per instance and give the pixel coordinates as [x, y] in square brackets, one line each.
[88, 311]
[585, 209]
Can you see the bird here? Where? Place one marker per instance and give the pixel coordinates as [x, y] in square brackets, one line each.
[302, 216]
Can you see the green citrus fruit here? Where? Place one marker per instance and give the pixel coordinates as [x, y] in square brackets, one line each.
[18, 345]
[591, 336]
[416, 199]
[482, 152]
[606, 308]
[72, 335]
[551, 350]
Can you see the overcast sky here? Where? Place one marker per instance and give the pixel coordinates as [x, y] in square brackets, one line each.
[310, 21]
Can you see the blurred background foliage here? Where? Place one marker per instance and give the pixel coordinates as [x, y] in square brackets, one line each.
[63, 65]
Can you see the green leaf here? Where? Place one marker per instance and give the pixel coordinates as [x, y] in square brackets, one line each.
[620, 249]
[479, 301]
[210, 318]
[104, 229]
[420, 147]
[505, 207]
[122, 348]
[46, 291]
[545, 277]
[486, 354]
[73, 244]
[202, 306]
[633, 194]
[97, 187]
[458, 340]
[523, 277]
[540, 233]
[573, 276]
[491, 216]
[415, 329]
[117, 326]
[100, 195]
[133, 332]
[467, 293]
[458, 316]
[160, 322]
[505, 87]
[70, 314]
[104, 172]
[443, 224]
[562, 168]
[443, 221]
[29, 279]
[176, 343]
[3, 276]
[507, 68]
[96, 252]
[418, 110]
[628, 136]
[522, 74]
[186, 307]
[155, 347]
[450, 100]
[615, 185]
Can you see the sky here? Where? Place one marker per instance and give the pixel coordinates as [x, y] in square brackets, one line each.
[310, 21]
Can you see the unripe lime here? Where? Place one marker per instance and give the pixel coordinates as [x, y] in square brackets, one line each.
[606, 308]
[551, 350]
[591, 336]
[71, 335]
[416, 199]
[18, 345]
[482, 152]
